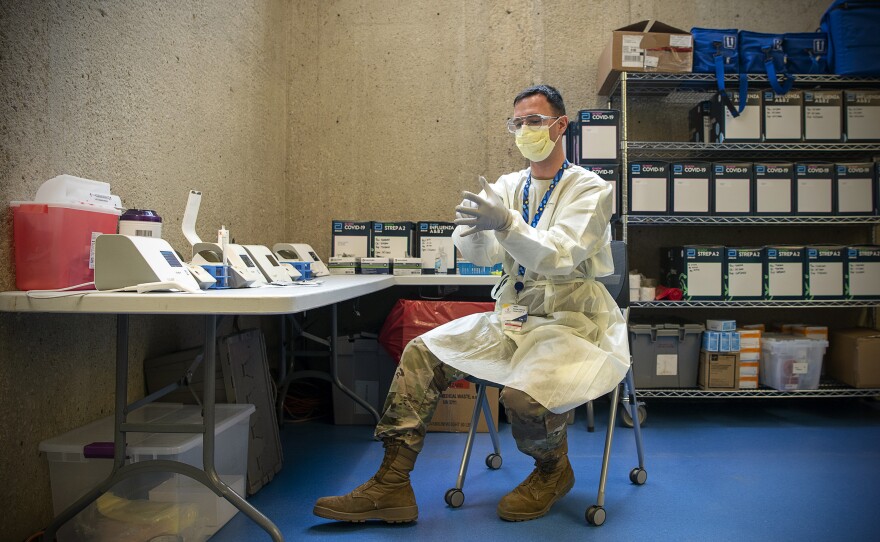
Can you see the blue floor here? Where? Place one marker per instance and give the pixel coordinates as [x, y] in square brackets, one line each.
[738, 470]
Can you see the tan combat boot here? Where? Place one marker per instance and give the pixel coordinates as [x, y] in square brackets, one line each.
[387, 496]
[549, 482]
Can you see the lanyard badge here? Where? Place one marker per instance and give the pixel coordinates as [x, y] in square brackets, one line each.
[519, 284]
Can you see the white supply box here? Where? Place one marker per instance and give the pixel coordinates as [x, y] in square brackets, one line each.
[862, 115]
[783, 115]
[147, 505]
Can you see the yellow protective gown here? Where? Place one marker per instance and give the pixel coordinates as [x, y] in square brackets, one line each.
[573, 347]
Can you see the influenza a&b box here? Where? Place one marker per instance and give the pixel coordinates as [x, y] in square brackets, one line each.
[436, 248]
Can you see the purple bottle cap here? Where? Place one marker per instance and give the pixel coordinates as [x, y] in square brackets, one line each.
[144, 215]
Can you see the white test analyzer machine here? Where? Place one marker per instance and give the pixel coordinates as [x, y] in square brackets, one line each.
[141, 264]
[300, 252]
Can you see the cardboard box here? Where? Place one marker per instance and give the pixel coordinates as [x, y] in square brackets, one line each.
[747, 127]
[810, 331]
[648, 188]
[719, 371]
[392, 239]
[775, 190]
[366, 369]
[406, 266]
[342, 265]
[862, 272]
[814, 188]
[456, 408]
[783, 273]
[732, 188]
[721, 325]
[783, 115]
[862, 115]
[744, 274]
[645, 46]
[609, 173]
[824, 276]
[374, 266]
[823, 115]
[854, 186]
[749, 358]
[598, 136]
[854, 358]
[351, 238]
[691, 188]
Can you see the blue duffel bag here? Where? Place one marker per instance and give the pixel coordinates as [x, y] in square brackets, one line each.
[853, 29]
[763, 53]
[806, 52]
[716, 50]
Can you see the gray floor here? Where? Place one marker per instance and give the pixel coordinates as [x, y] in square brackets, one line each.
[717, 470]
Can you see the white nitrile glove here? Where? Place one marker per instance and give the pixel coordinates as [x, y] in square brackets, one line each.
[480, 213]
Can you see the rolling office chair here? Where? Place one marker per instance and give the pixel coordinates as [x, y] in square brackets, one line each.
[617, 285]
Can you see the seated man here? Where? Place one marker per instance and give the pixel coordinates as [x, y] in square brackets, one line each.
[555, 340]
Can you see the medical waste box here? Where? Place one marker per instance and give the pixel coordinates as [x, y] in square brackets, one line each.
[665, 355]
[54, 235]
[145, 506]
[791, 363]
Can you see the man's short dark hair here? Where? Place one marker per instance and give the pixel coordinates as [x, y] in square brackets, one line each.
[553, 96]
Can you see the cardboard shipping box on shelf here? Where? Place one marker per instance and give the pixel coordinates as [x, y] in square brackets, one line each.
[645, 46]
[719, 370]
[456, 407]
[854, 357]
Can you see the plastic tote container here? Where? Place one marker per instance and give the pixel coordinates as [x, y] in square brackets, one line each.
[791, 363]
[54, 235]
[149, 505]
[665, 355]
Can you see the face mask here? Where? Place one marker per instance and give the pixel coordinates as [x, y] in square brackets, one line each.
[534, 142]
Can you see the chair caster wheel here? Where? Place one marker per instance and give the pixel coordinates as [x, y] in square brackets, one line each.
[493, 461]
[638, 476]
[454, 497]
[595, 515]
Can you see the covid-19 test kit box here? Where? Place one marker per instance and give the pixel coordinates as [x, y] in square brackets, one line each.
[862, 272]
[824, 274]
[691, 188]
[744, 273]
[783, 115]
[744, 128]
[814, 188]
[854, 188]
[351, 238]
[823, 115]
[609, 173]
[392, 239]
[862, 115]
[436, 248]
[732, 188]
[648, 188]
[697, 271]
[783, 273]
[774, 188]
[599, 135]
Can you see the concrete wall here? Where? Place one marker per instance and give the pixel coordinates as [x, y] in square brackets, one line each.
[285, 115]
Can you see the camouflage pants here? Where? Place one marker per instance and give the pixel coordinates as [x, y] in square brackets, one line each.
[415, 391]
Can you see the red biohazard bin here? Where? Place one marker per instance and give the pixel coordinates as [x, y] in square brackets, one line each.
[54, 235]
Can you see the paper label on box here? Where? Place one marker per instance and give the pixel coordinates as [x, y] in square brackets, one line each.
[632, 54]
[680, 41]
[799, 368]
[95, 235]
[667, 364]
[652, 61]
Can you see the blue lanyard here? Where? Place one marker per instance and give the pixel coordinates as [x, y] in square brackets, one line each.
[525, 212]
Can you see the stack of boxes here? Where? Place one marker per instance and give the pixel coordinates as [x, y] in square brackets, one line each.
[595, 143]
[720, 356]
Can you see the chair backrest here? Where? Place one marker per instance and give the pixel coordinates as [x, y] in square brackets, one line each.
[617, 283]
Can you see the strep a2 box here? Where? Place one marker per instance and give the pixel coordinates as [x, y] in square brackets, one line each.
[824, 273]
[436, 246]
[697, 271]
[744, 273]
[351, 238]
[783, 273]
[392, 239]
[862, 272]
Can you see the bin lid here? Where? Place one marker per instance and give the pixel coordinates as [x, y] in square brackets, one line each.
[74, 441]
[76, 192]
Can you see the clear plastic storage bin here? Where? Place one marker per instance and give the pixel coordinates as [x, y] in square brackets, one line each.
[153, 504]
[791, 363]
